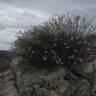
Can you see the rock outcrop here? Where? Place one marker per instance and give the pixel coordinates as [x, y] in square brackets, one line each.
[57, 82]
[54, 83]
[7, 84]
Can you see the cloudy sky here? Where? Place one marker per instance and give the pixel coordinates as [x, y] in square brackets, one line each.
[16, 15]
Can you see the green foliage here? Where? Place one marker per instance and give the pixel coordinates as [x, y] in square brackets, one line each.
[63, 40]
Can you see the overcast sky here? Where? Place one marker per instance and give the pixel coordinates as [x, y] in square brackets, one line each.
[16, 15]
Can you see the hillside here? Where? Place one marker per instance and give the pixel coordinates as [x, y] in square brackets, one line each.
[4, 54]
[4, 60]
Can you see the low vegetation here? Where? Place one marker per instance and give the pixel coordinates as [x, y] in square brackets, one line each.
[63, 40]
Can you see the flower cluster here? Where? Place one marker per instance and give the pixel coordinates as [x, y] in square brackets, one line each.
[59, 41]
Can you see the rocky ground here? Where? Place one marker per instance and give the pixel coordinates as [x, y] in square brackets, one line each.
[7, 84]
[42, 83]
[58, 82]
[8, 89]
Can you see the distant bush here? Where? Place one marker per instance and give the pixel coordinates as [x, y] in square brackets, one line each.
[64, 40]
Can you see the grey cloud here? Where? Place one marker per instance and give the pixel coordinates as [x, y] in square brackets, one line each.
[13, 19]
[4, 46]
[16, 15]
[10, 17]
[51, 6]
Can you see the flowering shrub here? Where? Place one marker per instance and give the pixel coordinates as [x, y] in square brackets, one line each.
[62, 40]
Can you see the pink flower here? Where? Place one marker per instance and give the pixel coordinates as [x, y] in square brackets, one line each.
[46, 51]
[65, 43]
[71, 56]
[75, 50]
[88, 49]
[29, 49]
[55, 44]
[57, 61]
[67, 47]
[44, 47]
[55, 39]
[77, 37]
[54, 57]
[32, 51]
[30, 55]
[44, 58]
[62, 63]
[71, 39]
[77, 18]
[81, 60]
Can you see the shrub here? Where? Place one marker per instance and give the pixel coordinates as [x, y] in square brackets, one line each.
[63, 40]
